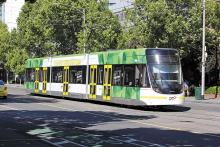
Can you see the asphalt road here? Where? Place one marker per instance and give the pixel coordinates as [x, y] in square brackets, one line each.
[27, 120]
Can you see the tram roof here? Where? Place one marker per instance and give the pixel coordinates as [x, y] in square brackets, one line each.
[126, 56]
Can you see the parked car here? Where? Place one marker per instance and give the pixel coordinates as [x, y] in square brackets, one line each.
[3, 90]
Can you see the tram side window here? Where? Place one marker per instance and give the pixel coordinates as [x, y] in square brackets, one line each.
[41, 75]
[146, 78]
[117, 75]
[30, 75]
[77, 74]
[129, 75]
[141, 76]
[100, 75]
[57, 74]
[48, 74]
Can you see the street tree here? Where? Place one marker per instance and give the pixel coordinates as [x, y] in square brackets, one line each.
[16, 61]
[57, 27]
[4, 42]
[16, 55]
[101, 29]
[173, 24]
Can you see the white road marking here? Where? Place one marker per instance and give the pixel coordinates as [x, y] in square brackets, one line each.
[7, 140]
[132, 140]
[11, 108]
[65, 141]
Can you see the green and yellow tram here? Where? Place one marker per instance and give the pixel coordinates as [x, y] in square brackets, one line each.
[148, 76]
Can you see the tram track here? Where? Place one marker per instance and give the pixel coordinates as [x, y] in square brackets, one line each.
[92, 110]
[63, 141]
[159, 111]
[167, 117]
[170, 117]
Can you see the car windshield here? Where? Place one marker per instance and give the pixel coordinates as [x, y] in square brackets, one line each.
[1, 82]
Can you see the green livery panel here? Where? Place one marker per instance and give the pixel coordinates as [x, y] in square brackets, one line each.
[126, 92]
[33, 63]
[29, 85]
[131, 56]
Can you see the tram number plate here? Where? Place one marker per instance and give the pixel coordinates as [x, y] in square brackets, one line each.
[172, 98]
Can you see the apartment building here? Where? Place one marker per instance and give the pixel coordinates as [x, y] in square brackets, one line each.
[9, 12]
[118, 7]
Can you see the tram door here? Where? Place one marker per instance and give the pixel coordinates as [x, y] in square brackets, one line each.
[65, 81]
[44, 90]
[93, 81]
[107, 82]
[36, 82]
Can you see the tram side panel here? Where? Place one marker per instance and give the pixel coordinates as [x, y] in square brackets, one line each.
[118, 94]
[117, 86]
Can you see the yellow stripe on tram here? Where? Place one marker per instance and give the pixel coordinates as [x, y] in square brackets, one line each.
[154, 97]
[181, 97]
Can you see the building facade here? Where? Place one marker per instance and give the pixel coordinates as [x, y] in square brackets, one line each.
[2, 11]
[9, 12]
[118, 7]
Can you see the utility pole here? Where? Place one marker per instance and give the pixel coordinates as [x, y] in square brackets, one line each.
[203, 53]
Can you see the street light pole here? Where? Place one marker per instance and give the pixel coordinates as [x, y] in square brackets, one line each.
[84, 30]
[203, 53]
[86, 54]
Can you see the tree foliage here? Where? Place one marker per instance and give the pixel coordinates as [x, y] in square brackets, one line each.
[54, 27]
[4, 42]
[57, 27]
[172, 24]
[101, 27]
[16, 61]
[15, 56]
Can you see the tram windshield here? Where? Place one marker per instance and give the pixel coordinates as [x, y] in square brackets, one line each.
[164, 70]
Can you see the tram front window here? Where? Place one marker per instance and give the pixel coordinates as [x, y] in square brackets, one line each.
[164, 70]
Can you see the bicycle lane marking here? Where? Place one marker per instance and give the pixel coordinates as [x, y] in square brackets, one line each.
[70, 109]
[57, 144]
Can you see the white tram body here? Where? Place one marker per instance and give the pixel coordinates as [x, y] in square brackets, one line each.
[133, 77]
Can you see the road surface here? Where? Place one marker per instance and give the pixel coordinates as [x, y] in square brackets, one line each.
[27, 120]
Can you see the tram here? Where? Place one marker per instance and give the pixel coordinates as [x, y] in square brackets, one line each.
[147, 76]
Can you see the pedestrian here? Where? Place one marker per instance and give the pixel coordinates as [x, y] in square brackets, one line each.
[186, 88]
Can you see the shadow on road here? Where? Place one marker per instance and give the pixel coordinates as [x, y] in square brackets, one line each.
[91, 128]
[52, 99]
[167, 108]
[26, 99]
